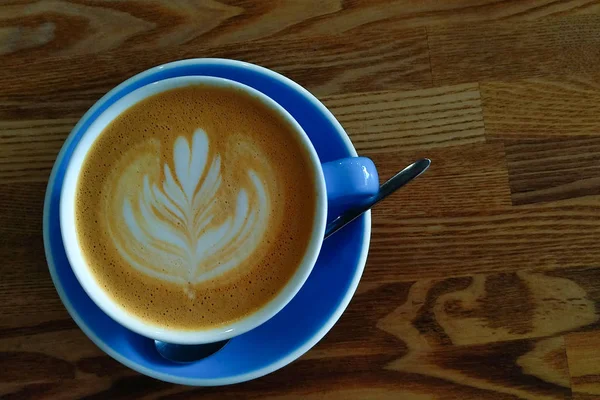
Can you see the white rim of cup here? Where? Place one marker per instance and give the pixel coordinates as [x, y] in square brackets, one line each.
[257, 373]
[110, 306]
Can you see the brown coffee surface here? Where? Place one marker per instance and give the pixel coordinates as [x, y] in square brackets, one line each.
[195, 207]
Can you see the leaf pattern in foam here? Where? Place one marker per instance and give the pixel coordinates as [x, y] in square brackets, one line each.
[168, 230]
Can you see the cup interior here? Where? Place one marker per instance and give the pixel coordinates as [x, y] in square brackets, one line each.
[83, 272]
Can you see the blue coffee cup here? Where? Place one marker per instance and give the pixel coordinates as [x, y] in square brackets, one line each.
[341, 182]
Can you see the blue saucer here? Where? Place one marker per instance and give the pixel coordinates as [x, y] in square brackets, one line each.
[295, 329]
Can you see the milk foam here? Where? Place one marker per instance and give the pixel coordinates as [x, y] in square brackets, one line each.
[171, 232]
[195, 207]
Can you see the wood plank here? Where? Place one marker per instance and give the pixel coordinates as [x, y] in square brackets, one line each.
[405, 247]
[541, 108]
[507, 51]
[552, 169]
[472, 311]
[422, 119]
[485, 309]
[458, 372]
[409, 13]
[66, 28]
[27, 295]
[583, 353]
[21, 209]
[461, 179]
[28, 148]
[326, 65]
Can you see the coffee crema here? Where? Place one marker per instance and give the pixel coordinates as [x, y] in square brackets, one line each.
[195, 207]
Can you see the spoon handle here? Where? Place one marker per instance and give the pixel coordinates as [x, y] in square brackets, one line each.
[390, 186]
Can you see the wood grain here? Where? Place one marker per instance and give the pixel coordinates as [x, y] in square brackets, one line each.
[483, 278]
[422, 119]
[583, 355]
[507, 51]
[328, 65]
[513, 240]
[464, 179]
[550, 169]
[71, 27]
[541, 108]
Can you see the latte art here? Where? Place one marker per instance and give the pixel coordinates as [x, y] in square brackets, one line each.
[195, 207]
[171, 231]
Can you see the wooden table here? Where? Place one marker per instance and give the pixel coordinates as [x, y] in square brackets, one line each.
[483, 279]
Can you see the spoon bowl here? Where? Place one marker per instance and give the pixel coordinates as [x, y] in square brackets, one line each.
[185, 353]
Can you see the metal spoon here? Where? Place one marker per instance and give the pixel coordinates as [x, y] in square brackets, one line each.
[189, 353]
[390, 186]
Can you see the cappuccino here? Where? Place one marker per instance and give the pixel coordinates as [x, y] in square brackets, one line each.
[195, 207]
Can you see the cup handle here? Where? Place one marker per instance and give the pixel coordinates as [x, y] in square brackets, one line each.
[350, 180]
